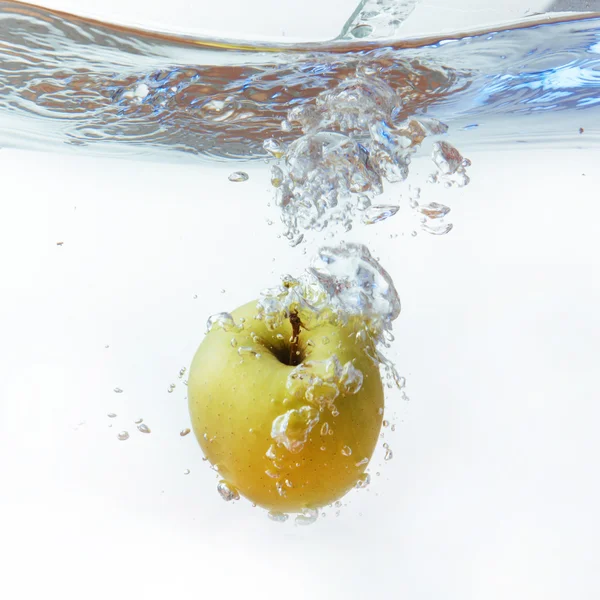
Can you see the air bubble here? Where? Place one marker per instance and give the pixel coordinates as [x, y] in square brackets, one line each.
[123, 435]
[362, 31]
[227, 491]
[171, 388]
[276, 176]
[138, 421]
[118, 390]
[182, 372]
[363, 481]
[346, 451]
[308, 517]
[278, 517]
[186, 472]
[184, 432]
[378, 213]
[247, 351]
[144, 428]
[388, 454]
[222, 321]
[274, 147]
[433, 210]
[111, 415]
[238, 177]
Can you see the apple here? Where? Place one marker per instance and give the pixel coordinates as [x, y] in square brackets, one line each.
[289, 417]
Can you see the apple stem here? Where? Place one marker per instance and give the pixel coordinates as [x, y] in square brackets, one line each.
[296, 324]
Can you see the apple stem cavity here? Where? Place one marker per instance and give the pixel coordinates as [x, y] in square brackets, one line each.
[296, 324]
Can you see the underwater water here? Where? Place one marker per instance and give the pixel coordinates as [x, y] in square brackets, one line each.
[151, 182]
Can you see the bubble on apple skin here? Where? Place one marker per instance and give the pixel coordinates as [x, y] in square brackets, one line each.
[346, 451]
[227, 491]
[363, 461]
[292, 428]
[308, 516]
[325, 429]
[248, 351]
[123, 435]
[278, 517]
[222, 320]
[363, 481]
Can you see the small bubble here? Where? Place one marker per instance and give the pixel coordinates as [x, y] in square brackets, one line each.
[274, 147]
[361, 462]
[223, 290]
[346, 451]
[118, 390]
[286, 126]
[144, 428]
[325, 429]
[123, 435]
[111, 415]
[393, 427]
[413, 233]
[325, 340]
[276, 176]
[362, 31]
[171, 388]
[246, 350]
[227, 492]
[238, 177]
[386, 423]
[338, 504]
[184, 432]
[375, 214]
[233, 343]
[308, 517]
[278, 517]
[363, 481]
[388, 454]
[186, 472]
[138, 421]
[182, 372]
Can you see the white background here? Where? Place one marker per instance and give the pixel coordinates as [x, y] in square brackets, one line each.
[493, 490]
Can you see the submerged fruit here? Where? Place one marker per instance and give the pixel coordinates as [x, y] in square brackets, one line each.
[288, 417]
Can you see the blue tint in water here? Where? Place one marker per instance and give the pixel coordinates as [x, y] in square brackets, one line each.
[112, 91]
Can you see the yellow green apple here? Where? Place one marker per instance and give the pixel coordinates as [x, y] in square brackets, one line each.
[289, 417]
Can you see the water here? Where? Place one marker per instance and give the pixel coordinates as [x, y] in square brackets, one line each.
[113, 267]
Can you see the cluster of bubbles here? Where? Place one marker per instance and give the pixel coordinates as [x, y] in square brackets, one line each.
[354, 138]
[343, 284]
[319, 383]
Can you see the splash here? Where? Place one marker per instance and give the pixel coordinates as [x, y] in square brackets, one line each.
[354, 139]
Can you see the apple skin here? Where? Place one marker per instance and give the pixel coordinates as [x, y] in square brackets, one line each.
[234, 399]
